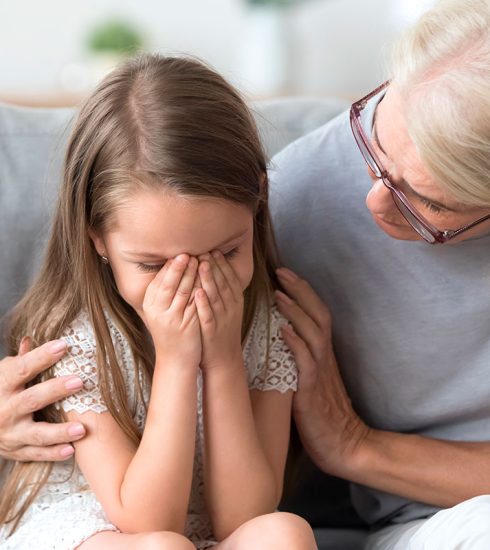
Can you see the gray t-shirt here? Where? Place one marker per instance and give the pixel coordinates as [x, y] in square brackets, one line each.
[410, 320]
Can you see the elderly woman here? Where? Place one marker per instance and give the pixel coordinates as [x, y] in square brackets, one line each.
[405, 412]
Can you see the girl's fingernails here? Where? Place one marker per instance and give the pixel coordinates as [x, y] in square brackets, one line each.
[205, 266]
[283, 297]
[287, 329]
[182, 259]
[286, 274]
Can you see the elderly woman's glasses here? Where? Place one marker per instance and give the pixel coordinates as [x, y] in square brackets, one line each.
[425, 229]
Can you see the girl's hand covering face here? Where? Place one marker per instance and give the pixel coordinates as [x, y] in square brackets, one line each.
[220, 309]
[170, 313]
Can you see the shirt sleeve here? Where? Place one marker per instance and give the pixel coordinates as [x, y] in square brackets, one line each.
[269, 361]
[80, 360]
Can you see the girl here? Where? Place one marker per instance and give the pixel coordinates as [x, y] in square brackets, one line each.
[158, 270]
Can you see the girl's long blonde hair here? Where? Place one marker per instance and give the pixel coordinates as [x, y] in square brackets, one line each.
[154, 122]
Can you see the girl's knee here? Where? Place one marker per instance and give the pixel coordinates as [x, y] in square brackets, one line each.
[165, 540]
[287, 531]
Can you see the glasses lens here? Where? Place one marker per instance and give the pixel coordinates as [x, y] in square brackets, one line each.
[412, 220]
[360, 137]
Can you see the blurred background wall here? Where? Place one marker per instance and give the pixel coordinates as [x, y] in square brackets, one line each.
[54, 51]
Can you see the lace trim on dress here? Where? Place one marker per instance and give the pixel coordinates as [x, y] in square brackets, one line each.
[281, 373]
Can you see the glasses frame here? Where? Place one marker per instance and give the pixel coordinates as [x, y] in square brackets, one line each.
[424, 228]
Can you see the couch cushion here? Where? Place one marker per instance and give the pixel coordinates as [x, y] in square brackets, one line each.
[32, 143]
[284, 120]
[340, 539]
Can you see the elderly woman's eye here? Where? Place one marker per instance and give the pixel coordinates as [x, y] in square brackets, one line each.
[431, 206]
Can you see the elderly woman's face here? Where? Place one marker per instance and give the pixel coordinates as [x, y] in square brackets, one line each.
[400, 158]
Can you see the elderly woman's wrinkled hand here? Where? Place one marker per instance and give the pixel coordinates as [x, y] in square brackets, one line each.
[330, 429]
[21, 438]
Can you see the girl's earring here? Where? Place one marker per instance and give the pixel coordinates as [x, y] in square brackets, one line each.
[105, 259]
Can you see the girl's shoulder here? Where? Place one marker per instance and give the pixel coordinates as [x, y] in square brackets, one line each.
[81, 360]
[266, 325]
[80, 335]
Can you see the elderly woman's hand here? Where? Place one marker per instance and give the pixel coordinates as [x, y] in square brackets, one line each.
[21, 438]
[330, 430]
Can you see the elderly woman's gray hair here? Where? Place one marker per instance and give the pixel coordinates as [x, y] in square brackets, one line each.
[441, 67]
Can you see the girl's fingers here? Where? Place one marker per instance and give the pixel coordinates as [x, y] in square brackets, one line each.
[209, 286]
[190, 312]
[165, 284]
[306, 297]
[221, 283]
[186, 286]
[204, 310]
[229, 274]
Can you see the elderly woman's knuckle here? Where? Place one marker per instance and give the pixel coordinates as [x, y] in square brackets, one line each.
[318, 341]
[325, 319]
[22, 368]
[303, 284]
[31, 402]
[8, 444]
[37, 437]
[37, 454]
[301, 344]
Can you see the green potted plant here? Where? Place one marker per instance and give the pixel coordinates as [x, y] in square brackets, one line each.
[109, 42]
[115, 36]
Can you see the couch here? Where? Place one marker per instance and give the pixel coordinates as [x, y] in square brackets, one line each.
[32, 143]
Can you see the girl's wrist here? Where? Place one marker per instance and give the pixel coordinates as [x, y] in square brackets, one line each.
[226, 366]
[177, 365]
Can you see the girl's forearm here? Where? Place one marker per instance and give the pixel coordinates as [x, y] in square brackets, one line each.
[240, 482]
[155, 490]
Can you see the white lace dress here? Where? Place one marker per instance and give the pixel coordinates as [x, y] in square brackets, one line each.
[66, 512]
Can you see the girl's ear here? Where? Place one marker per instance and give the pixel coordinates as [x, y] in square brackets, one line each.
[98, 242]
[263, 182]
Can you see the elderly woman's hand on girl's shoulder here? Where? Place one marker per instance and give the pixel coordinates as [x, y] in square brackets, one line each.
[331, 431]
[21, 438]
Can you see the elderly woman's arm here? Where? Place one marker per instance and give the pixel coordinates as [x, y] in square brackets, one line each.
[21, 438]
[438, 472]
